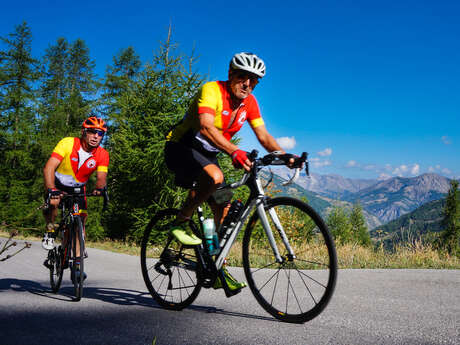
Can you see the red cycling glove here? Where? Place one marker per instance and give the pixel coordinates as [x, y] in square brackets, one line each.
[238, 158]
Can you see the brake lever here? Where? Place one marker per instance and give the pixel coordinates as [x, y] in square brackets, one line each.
[253, 155]
[293, 178]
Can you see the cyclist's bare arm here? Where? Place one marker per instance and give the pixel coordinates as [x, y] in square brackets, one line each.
[266, 139]
[101, 182]
[269, 143]
[48, 172]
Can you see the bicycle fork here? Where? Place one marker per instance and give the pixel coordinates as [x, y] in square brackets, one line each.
[261, 205]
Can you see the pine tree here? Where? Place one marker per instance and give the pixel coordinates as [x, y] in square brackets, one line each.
[358, 225]
[451, 235]
[143, 114]
[55, 96]
[125, 70]
[18, 142]
[81, 83]
[119, 79]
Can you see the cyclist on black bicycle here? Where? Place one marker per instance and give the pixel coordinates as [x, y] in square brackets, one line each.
[218, 111]
[68, 169]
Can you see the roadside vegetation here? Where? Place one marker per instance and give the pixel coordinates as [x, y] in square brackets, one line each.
[351, 255]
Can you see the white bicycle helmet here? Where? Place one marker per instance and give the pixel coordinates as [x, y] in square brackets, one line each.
[248, 62]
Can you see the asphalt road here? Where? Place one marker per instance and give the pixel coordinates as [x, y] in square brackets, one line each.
[369, 307]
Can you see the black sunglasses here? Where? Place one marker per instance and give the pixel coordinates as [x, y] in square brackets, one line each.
[243, 76]
[95, 131]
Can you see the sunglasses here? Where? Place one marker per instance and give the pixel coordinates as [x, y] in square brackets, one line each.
[243, 76]
[95, 131]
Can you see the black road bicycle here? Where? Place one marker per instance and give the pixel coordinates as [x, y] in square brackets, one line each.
[65, 253]
[289, 256]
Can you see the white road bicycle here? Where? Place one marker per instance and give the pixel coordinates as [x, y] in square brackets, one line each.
[289, 256]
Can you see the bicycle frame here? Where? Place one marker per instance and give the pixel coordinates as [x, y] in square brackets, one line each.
[69, 211]
[256, 200]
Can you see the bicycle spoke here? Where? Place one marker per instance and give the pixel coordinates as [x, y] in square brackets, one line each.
[274, 288]
[306, 275]
[266, 266]
[287, 290]
[314, 263]
[308, 289]
[269, 279]
[293, 292]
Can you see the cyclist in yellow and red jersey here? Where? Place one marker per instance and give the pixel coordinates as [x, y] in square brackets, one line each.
[68, 169]
[218, 111]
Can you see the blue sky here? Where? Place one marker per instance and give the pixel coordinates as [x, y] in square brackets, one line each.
[369, 88]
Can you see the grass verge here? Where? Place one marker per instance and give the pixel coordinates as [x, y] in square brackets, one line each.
[409, 255]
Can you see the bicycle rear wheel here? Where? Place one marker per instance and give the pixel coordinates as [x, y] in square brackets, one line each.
[170, 269]
[300, 287]
[55, 261]
[78, 281]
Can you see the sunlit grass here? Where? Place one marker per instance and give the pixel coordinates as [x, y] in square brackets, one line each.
[409, 255]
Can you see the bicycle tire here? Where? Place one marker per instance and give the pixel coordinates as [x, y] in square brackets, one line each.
[298, 289]
[56, 260]
[78, 283]
[169, 269]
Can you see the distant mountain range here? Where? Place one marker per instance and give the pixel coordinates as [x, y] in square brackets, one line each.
[425, 219]
[382, 201]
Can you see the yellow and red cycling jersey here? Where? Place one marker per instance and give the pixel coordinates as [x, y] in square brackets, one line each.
[214, 98]
[77, 165]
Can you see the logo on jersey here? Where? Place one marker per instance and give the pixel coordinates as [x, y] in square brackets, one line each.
[225, 112]
[91, 164]
[242, 117]
[75, 159]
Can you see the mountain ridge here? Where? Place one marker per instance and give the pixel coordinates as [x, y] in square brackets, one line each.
[385, 200]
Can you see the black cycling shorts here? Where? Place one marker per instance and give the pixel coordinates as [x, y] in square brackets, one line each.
[187, 163]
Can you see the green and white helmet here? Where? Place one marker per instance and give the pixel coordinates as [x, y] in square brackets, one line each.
[248, 62]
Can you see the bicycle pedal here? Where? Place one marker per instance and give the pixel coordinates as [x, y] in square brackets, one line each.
[159, 269]
[47, 264]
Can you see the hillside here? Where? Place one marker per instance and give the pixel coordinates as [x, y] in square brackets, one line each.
[331, 186]
[384, 200]
[317, 202]
[416, 224]
[392, 198]
[322, 204]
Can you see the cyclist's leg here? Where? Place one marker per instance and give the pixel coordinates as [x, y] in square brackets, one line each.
[191, 166]
[209, 179]
[50, 215]
[219, 210]
[192, 169]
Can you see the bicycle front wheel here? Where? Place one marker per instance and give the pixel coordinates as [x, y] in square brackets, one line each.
[299, 287]
[79, 278]
[170, 269]
[55, 261]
